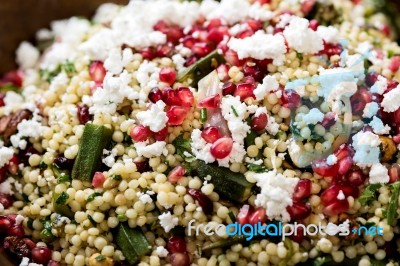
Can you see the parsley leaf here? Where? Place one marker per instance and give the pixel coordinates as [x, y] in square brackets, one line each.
[182, 145]
[116, 177]
[62, 199]
[92, 196]
[100, 258]
[234, 111]
[391, 213]
[321, 261]
[369, 194]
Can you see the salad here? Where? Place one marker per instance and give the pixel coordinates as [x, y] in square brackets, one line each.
[237, 132]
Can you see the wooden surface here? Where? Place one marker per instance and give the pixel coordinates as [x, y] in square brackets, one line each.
[20, 19]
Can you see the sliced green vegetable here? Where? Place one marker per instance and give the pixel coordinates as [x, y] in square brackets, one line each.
[233, 186]
[93, 196]
[181, 145]
[59, 205]
[250, 139]
[132, 243]
[201, 68]
[369, 194]
[94, 139]
[203, 114]
[391, 213]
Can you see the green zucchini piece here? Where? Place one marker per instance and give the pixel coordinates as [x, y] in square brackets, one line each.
[132, 243]
[233, 186]
[201, 68]
[94, 139]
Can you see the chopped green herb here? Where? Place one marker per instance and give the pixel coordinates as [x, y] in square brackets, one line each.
[232, 217]
[391, 213]
[256, 168]
[68, 67]
[116, 177]
[369, 194]
[63, 178]
[250, 139]
[8, 87]
[234, 111]
[46, 235]
[390, 53]
[300, 56]
[94, 195]
[62, 199]
[321, 261]
[203, 115]
[42, 165]
[182, 145]
[30, 223]
[122, 217]
[91, 220]
[100, 258]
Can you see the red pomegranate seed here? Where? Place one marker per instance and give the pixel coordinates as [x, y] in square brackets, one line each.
[201, 49]
[16, 246]
[329, 120]
[359, 100]
[307, 5]
[16, 230]
[232, 58]
[298, 211]
[190, 61]
[322, 168]
[252, 70]
[336, 207]
[167, 75]
[83, 113]
[394, 63]
[148, 53]
[211, 134]
[185, 96]
[244, 214]
[176, 244]
[2, 95]
[221, 148]
[386, 30]
[258, 216]
[139, 133]
[5, 224]
[344, 165]
[331, 193]
[244, 90]
[259, 122]
[176, 174]
[12, 165]
[210, 102]
[188, 41]
[394, 173]
[355, 177]
[155, 95]
[204, 202]
[170, 97]
[164, 50]
[13, 77]
[3, 171]
[97, 71]
[314, 24]
[302, 190]
[371, 78]
[299, 235]
[98, 180]
[244, 34]
[29, 242]
[331, 49]
[213, 23]
[142, 166]
[222, 71]
[391, 84]
[161, 135]
[344, 151]
[228, 88]
[11, 217]
[41, 255]
[174, 34]
[216, 35]
[6, 200]
[176, 115]
[161, 25]
[291, 99]
[180, 259]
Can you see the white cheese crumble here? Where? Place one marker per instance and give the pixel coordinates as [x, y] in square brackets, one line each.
[234, 111]
[378, 126]
[27, 55]
[161, 252]
[110, 159]
[380, 85]
[167, 221]
[260, 46]
[313, 116]
[391, 100]
[6, 187]
[268, 84]
[144, 197]
[155, 117]
[378, 174]
[276, 193]
[331, 159]
[329, 34]
[5, 155]
[341, 195]
[301, 38]
[370, 109]
[272, 127]
[24, 262]
[151, 150]
[19, 219]
[366, 146]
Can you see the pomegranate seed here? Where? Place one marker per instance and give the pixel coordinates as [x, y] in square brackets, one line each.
[12, 165]
[2, 174]
[188, 41]
[391, 84]
[13, 77]
[344, 151]
[244, 90]
[139, 133]
[16, 230]
[155, 95]
[221, 148]
[11, 217]
[164, 50]
[148, 53]
[394, 63]
[222, 71]
[302, 190]
[386, 30]
[213, 23]
[307, 6]
[359, 100]
[336, 207]
[5, 224]
[6, 200]
[259, 122]
[176, 115]
[167, 75]
[174, 34]
[211, 134]
[254, 24]
[41, 255]
[201, 49]
[176, 174]
[322, 168]
[98, 180]
[251, 69]
[331, 49]
[170, 97]
[232, 58]
[371, 78]
[210, 102]
[228, 88]
[331, 193]
[97, 72]
[394, 173]
[344, 165]
[244, 34]
[176, 244]
[258, 216]
[291, 99]
[161, 25]
[355, 177]
[190, 61]
[314, 24]
[29, 242]
[83, 113]
[244, 214]
[161, 135]
[16, 246]
[142, 166]
[204, 202]
[180, 259]
[185, 96]
[298, 211]
[299, 235]
[2, 95]
[63, 163]
[329, 120]
[216, 35]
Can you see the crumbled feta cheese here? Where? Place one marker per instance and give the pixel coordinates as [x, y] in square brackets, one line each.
[341, 195]
[391, 100]
[60, 220]
[167, 221]
[106, 13]
[370, 109]
[19, 219]
[24, 262]
[234, 111]
[380, 85]
[378, 174]
[313, 116]
[301, 38]
[345, 89]
[276, 193]
[12, 101]
[6, 187]
[378, 127]
[200, 148]
[366, 146]
[328, 34]
[5, 155]
[151, 150]
[144, 197]
[272, 127]
[161, 252]
[269, 84]
[27, 55]
[260, 46]
[155, 117]
[284, 20]
[331, 159]
[110, 159]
